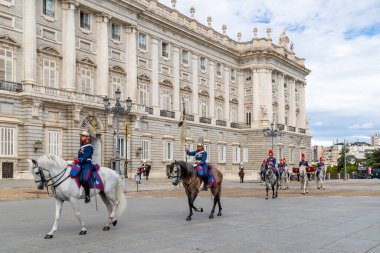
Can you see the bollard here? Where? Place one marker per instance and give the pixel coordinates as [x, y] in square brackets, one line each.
[338, 175]
[137, 179]
[328, 176]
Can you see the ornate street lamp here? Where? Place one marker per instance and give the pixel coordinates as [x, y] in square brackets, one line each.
[117, 110]
[272, 132]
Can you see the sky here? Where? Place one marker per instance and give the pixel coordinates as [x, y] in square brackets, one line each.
[340, 41]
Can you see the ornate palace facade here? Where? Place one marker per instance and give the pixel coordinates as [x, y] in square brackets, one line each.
[60, 58]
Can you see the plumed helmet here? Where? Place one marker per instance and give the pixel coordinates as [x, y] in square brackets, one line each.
[302, 155]
[283, 159]
[84, 133]
[200, 145]
[270, 152]
[144, 161]
[321, 158]
[264, 161]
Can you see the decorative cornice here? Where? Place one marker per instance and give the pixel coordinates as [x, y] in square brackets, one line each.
[49, 50]
[118, 69]
[6, 38]
[87, 61]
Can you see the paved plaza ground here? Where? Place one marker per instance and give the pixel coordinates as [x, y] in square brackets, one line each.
[342, 218]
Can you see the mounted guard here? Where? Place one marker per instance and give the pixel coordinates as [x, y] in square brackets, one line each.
[271, 163]
[84, 162]
[201, 164]
[304, 163]
[320, 165]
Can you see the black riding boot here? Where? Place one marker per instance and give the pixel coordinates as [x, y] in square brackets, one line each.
[205, 183]
[87, 192]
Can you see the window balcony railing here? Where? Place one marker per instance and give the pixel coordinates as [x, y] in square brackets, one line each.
[280, 126]
[116, 36]
[302, 131]
[142, 46]
[149, 110]
[205, 120]
[235, 125]
[221, 123]
[10, 86]
[291, 129]
[49, 13]
[185, 61]
[167, 114]
[189, 117]
[165, 54]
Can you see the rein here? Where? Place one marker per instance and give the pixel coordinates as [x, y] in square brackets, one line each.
[180, 179]
[52, 184]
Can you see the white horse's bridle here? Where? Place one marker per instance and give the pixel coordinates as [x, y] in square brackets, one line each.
[48, 180]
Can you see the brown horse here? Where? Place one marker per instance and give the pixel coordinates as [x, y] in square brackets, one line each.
[241, 174]
[185, 172]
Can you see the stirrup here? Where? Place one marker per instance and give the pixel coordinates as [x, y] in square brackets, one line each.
[204, 188]
[87, 199]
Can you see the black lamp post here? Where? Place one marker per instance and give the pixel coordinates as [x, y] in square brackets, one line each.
[272, 132]
[117, 110]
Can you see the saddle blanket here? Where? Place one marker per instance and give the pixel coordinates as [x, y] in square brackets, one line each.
[94, 177]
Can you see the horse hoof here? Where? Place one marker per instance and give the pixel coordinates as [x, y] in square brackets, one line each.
[114, 223]
[219, 214]
[266, 198]
[188, 218]
[48, 236]
[211, 216]
[82, 232]
[273, 197]
[318, 188]
[106, 228]
[201, 210]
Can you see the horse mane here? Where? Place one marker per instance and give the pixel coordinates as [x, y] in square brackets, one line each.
[187, 168]
[50, 161]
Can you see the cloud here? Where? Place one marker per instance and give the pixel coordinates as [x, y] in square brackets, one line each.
[340, 41]
[363, 126]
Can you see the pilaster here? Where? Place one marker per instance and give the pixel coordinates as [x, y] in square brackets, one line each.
[176, 101]
[155, 87]
[131, 91]
[29, 41]
[102, 71]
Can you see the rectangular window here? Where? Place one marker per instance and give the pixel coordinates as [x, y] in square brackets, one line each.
[233, 91]
[54, 143]
[248, 118]
[247, 92]
[222, 153]
[207, 149]
[7, 141]
[143, 94]
[49, 74]
[166, 103]
[202, 63]
[291, 155]
[86, 81]
[165, 49]
[142, 41]
[168, 151]
[236, 154]
[203, 108]
[115, 32]
[6, 65]
[233, 117]
[123, 148]
[116, 55]
[6, 108]
[245, 155]
[233, 75]
[185, 57]
[145, 152]
[280, 153]
[85, 20]
[248, 75]
[143, 63]
[48, 8]
[116, 85]
[218, 69]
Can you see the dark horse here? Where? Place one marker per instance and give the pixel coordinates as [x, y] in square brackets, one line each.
[185, 172]
[241, 174]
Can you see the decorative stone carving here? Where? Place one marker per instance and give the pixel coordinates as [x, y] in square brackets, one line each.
[263, 110]
[6, 38]
[239, 36]
[50, 51]
[209, 20]
[224, 29]
[283, 40]
[255, 32]
[173, 3]
[192, 12]
[269, 32]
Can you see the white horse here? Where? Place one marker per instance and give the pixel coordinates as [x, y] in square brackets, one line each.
[304, 180]
[50, 170]
[321, 178]
[284, 179]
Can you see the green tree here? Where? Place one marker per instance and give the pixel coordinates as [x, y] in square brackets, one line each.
[373, 159]
[341, 159]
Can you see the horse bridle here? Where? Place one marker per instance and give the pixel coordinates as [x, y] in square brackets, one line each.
[54, 184]
[177, 176]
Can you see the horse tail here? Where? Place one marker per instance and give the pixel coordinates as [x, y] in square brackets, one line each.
[120, 197]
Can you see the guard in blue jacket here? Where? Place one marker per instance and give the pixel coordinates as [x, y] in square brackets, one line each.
[271, 163]
[201, 166]
[304, 163]
[84, 160]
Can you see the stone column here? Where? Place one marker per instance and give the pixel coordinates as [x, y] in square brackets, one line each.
[102, 71]
[211, 72]
[155, 86]
[256, 99]
[194, 65]
[266, 103]
[292, 101]
[227, 94]
[302, 112]
[131, 91]
[281, 99]
[240, 112]
[176, 98]
[68, 45]
[29, 41]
